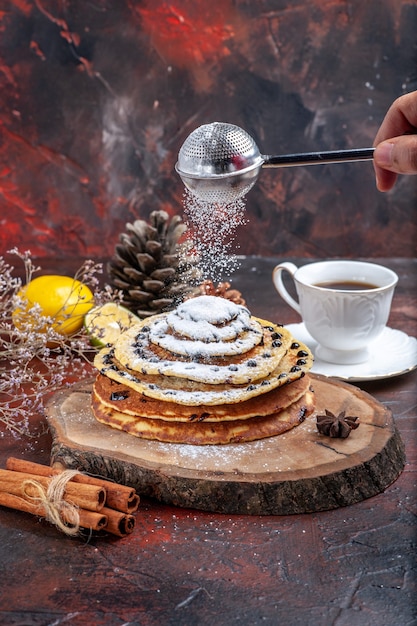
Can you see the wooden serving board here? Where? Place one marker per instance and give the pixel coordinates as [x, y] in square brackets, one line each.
[299, 471]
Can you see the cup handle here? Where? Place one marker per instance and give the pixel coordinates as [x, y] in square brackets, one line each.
[279, 285]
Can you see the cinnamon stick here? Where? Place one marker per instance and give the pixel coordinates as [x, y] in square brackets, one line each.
[88, 519]
[84, 496]
[24, 484]
[119, 523]
[119, 497]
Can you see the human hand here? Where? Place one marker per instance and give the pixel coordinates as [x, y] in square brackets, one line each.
[396, 142]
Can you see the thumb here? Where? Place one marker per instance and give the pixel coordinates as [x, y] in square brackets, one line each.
[397, 155]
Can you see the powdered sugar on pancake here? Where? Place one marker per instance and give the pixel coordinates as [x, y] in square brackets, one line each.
[203, 330]
[296, 363]
[161, 345]
[160, 335]
[207, 326]
[210, 309]
[152, 349]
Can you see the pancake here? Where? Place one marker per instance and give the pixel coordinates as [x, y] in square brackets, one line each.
[152, 347]
[207, 373]
[295, 364]
[206, 433]
[122, 398]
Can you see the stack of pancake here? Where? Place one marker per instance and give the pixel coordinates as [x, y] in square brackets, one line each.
[206, 373]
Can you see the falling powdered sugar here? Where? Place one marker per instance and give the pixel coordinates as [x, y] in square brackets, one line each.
[212, 233]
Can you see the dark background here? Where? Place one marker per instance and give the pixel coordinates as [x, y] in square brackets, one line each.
[97, 97]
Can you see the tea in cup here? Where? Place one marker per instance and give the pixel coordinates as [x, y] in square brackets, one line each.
[344, 305]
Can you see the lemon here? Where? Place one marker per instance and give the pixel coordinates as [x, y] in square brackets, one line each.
[105, 322]
[63, 299]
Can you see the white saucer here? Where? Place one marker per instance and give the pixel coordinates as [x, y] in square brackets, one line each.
[393, 353]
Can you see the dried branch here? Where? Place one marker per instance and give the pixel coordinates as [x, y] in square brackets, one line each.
[35, 359]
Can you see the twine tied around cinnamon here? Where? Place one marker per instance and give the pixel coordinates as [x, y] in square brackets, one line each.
[52, 499]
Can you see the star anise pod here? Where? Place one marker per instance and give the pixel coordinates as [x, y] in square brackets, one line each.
[336, 425]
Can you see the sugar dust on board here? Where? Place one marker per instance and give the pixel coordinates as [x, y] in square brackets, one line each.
[212, 228]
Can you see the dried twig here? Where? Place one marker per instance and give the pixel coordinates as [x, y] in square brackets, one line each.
[29, 367]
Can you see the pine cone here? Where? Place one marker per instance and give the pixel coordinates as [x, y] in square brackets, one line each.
[147, 265]
[222, 290]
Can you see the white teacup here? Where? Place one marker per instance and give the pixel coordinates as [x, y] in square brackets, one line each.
[344, 305]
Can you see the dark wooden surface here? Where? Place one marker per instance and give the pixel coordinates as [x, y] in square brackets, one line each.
[354, 566]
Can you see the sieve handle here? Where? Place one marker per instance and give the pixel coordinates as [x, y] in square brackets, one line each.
[315, 158]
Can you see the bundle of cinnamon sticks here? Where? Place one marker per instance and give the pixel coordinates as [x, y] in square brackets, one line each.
[83, 502]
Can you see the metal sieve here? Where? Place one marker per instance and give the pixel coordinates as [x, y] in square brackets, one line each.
[220, 162]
